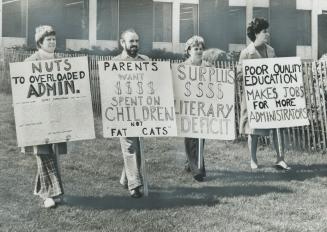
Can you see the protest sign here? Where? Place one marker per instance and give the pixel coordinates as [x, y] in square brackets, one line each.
[204, 102]
[137, 99]
[274, 92]
[52, 101]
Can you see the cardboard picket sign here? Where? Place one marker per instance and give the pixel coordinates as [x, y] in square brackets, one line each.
[52, 101]
[204, 102]
[274, 92]
[137, 99]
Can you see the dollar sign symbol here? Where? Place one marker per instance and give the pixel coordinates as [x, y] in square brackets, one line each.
[220, 92]
[187, 88]
[129, 89]
[118, 88]
[140, 85]
[150, 85]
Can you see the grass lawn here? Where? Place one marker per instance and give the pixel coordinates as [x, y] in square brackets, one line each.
[233, 198]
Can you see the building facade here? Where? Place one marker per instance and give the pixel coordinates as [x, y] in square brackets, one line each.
[297, 27]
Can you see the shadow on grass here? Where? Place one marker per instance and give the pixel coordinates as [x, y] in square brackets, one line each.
[298, 173]
[172, 198]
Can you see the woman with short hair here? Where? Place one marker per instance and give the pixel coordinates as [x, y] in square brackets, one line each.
[258, 33]
[48, 183]
[193, 51]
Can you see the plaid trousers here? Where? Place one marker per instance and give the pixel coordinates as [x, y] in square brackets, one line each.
[47, 181]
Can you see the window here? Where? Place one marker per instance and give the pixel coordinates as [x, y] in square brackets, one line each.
[76, 19]
[261, 12]
[162, 15]
[14, 18]
[107, 19]
[188, 21]
[237, 25]
[304, 27]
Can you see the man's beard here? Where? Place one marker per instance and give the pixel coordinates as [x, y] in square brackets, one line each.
[132, 51]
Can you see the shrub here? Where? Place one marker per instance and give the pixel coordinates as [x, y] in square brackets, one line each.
[162, 54]
[96, 50]
[154, 53]
[233, 55]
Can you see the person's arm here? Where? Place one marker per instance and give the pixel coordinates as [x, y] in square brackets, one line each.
[274, 53]
[144, 57]
[239, 74]
[33, 57]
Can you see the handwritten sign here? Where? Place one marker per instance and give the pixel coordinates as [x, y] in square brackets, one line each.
[52, 101]
[274, 92]
[137, 99]
[204, 102]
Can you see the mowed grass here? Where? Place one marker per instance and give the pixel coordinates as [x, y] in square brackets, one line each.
[233, 198]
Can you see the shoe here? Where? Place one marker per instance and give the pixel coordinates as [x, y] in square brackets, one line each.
[49, 203]
[59, 199]
[135, 193]
[187, 168]
[198, 177]
[254, 164]
[282, 165]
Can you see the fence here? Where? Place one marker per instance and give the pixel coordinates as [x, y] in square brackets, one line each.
[310, 138]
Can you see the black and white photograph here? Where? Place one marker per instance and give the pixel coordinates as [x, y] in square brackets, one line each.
[163, 115]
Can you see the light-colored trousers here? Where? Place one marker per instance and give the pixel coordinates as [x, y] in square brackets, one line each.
[131, 174]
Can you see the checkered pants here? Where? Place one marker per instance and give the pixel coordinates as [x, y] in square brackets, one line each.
[48, 181]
